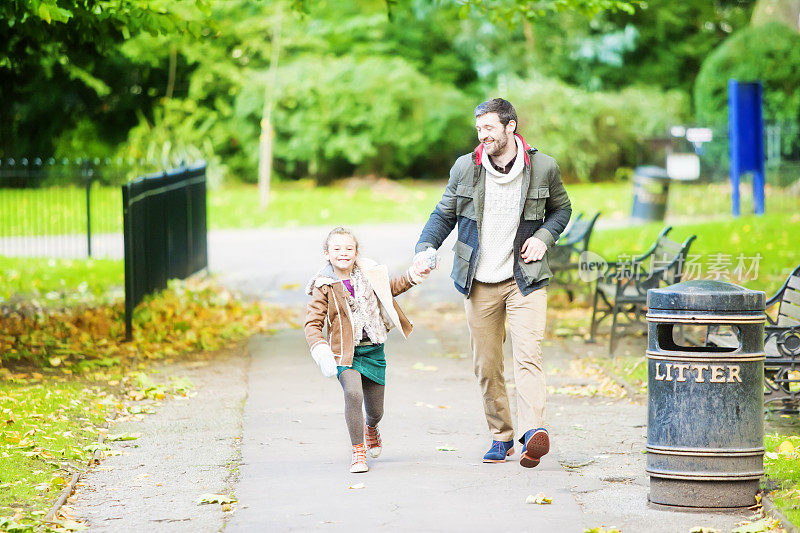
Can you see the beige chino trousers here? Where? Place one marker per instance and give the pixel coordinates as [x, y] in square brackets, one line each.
[487, 308]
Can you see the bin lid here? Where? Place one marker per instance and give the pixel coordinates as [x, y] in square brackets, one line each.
[651, 171]
[706, 295]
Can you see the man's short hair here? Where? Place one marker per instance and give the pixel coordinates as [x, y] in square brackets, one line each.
[505, 111]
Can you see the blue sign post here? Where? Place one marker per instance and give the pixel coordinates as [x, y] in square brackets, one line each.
[746, 129]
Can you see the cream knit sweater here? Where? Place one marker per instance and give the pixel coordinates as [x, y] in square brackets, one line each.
[500, 220]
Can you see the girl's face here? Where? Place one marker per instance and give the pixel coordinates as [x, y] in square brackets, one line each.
[342, 252]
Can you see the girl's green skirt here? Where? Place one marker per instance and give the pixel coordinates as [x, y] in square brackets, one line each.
[370, 362]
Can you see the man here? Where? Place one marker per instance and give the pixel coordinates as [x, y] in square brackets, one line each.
[510, 207]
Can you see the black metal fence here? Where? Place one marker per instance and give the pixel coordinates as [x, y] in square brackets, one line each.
[64, 207]
[781, 162]
[165, 232]
[781, 154]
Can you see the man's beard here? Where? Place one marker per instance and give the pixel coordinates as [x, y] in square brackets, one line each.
[497, 146]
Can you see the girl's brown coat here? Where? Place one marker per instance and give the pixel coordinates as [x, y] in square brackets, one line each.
[329, 310]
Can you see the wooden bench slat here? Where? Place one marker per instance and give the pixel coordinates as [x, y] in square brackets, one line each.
[726, 341]
[669, 246]
[790, 310]
[791, 296]
[794, 282]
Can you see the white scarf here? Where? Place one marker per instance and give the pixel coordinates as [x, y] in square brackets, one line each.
[366, 310]
[516, 168]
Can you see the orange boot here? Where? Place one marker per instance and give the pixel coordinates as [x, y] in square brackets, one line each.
[359, 463]
[373, 438]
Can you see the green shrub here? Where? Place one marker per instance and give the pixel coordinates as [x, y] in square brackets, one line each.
[359, 116]
[592, 134]
[770, 53]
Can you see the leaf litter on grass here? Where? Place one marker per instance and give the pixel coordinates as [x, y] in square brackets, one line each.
[50, 418]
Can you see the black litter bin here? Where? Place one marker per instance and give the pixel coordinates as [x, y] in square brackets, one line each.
[650, 191]
[705, 409]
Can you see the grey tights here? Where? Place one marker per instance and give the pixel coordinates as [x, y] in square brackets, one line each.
[357, 390]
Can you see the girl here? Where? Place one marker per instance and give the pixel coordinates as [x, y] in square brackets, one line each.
[354, 298]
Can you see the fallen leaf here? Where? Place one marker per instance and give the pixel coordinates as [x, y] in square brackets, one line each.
[758, 526]
[71, 525]
[539, 499]
[786, 448]
[703, 529]
[357, 486]
[424, 367]
[447, 449]
[215, 498]
[123, 436]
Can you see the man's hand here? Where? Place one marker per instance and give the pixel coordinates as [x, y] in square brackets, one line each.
[533, 249]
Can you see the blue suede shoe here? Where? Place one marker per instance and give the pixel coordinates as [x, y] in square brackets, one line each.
[537, 444]
[499, 451]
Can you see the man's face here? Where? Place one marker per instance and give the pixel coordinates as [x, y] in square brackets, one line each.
[492, 134]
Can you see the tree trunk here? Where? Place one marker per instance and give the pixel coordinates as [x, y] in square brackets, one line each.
[267, 133]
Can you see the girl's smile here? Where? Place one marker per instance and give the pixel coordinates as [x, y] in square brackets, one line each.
[342, 252]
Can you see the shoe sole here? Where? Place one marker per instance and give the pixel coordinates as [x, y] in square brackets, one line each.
[359, 469]
[537, 447]
[510, 452]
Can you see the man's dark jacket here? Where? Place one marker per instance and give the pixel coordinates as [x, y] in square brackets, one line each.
[544, 213]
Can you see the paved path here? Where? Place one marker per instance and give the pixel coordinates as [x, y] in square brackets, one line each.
[294, 449]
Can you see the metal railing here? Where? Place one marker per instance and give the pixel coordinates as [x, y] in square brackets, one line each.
[165, 232]
[64, 207]
[781, 154]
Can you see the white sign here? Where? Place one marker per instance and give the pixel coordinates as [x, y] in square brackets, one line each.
[683, 166]
[699, 135]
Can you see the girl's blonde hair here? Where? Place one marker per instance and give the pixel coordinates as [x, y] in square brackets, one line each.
[339, 230]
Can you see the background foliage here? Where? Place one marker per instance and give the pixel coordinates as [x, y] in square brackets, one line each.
[374, 87]
[770, 53]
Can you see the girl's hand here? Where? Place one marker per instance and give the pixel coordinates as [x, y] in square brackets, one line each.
[422, 267]
[323, 356]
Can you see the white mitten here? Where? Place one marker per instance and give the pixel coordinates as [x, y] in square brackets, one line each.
[322, 354]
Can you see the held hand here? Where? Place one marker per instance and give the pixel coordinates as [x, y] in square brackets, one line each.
[424, 263]
[533, 249]
[421, 267]
[427, 258]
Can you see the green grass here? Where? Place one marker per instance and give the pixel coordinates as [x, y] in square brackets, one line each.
[59, 211]
[630, 368]
[303, 203]
[776, 237]
[46, 421]
[784, 470]
[615, 200]
[61, 281]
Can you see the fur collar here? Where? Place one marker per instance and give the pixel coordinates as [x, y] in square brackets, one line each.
[327, 276]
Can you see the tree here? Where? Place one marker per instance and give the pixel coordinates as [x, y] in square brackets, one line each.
[769, 53]
[57, 53]
[661, 43]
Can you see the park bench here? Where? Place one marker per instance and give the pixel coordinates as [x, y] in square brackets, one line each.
[781, 344]
[621, 292]
[564, 257]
